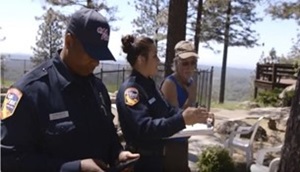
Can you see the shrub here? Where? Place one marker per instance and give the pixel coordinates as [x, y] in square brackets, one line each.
[215, 159]
[287, 99]
[269, 97]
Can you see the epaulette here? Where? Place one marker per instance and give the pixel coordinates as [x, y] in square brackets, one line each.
[34, 75]
[131, 79]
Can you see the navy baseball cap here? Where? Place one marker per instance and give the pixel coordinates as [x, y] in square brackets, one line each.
[92, 30]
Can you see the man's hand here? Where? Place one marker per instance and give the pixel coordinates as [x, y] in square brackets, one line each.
[93, 165]
[126, 155]
[193, 115]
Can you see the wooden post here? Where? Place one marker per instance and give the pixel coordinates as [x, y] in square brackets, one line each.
[274, 69]
[123, 76]
[210, 87]
[256, 78]
[101, 73]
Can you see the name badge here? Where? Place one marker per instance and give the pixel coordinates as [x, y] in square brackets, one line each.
[152, 100]
[58, 115]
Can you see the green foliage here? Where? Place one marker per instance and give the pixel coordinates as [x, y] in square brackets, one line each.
[6, 83]
[242, 17]
[286, 11]
[112, 87]
[99, 5]
[49, 37]
[152, 21]
[226, 105]
[269, 97]
[287, 98]
[215, 159]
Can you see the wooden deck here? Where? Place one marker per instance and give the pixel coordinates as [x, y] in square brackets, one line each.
[271, 76]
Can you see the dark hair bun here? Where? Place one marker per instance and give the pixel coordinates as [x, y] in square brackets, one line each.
[127, 43]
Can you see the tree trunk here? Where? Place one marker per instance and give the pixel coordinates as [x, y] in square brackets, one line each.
[156, 29]
[290, 154]
[224, 64]
[89, 4]
[198, 25]
[176, 29]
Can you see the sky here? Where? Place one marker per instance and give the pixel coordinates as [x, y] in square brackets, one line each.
[19, 27]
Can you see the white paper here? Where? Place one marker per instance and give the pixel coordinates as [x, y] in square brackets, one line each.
[191, 130]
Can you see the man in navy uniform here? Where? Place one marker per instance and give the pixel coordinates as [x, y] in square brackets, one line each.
[58, 116]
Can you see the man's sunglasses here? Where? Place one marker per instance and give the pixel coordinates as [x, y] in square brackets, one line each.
[188, 63]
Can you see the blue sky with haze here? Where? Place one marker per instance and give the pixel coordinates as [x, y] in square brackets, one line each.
[17, 19]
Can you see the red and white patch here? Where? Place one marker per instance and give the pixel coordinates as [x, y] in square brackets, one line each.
[131, 96]
[12, 98]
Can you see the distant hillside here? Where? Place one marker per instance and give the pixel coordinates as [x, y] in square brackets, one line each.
[239, 85]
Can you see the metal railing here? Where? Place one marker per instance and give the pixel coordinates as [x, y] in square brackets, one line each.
[113, 75]
[204, 78]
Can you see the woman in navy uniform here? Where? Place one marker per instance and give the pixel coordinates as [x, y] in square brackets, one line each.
[146, 119]
[58, 117]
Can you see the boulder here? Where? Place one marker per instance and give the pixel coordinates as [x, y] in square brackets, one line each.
[286, 90]
[226, 127]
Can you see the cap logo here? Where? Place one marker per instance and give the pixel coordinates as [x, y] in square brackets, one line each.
[104, 33]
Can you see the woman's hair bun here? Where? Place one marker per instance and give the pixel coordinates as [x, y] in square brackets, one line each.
[127, 43]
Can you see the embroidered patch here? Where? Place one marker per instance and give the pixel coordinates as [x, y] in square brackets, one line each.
[10, 102]
[131, 96]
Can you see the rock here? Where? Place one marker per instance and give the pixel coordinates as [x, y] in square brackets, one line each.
[226, 127]
[270, 112]
[286, 90]
[272, 125]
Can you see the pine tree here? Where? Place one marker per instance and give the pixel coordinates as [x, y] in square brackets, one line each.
[99, 5]
[177, 19]
[290, 152]
[228, 22]
[152, 21]
[49, 37]
[288, 11]
[282, 9]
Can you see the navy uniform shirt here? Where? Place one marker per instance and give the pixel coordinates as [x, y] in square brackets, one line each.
[52, 119]
[146, 119]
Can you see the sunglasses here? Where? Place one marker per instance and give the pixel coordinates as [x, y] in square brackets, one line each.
[189, 63]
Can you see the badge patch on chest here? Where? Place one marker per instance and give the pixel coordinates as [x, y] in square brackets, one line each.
[131, 96]
[10, 102]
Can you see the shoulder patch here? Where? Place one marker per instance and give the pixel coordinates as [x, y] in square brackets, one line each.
[131, 96]
[12, 98]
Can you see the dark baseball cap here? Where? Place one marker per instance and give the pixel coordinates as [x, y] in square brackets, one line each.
[92, 30]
